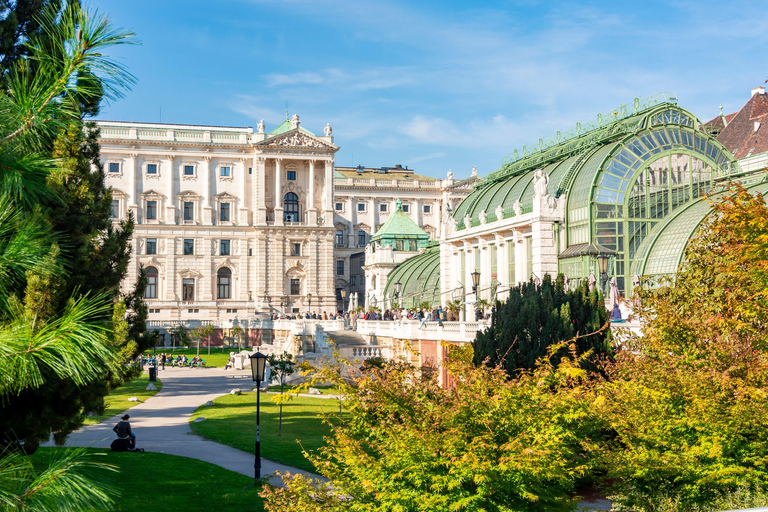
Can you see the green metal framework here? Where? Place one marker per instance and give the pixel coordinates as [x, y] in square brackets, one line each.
[620, 180]
[662, 252]
[420, 279]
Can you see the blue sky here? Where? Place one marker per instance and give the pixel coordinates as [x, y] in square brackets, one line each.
[434, 85]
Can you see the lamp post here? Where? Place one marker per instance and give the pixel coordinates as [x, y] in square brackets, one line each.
[258, 365]
[398, 288]
[602, 263]
[475, 288]
[309, 301]
[343, 299]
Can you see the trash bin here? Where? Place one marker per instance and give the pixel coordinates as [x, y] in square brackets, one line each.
[153, 373]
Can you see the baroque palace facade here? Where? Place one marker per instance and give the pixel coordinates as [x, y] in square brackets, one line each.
[232, 222]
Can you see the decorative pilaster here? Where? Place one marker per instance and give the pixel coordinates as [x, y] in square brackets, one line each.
[278, 192]
[205, 174]
[260, 183]
[311, 210]
[170, 203]
[131, 172]
[328, 194]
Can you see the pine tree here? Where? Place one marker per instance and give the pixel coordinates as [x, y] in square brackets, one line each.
[535, 317]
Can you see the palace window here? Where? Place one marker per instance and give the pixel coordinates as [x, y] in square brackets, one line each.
[291, 175]
[224, 212]
[361, 207]
[296, 249]
[398, 245]
[383, 208]
[427, 208]
[189, 170]
[339, 207]
[353, 280]
[151, 168]
[406, 208]
[115, 212]
[151, 210]
[295, 286]
[114, 167]
[189, 247]
[223, 283]
[151, 245]
[291, 207]
[339, 238]
[224, 248]
[339, 267]
[188, 289]
[224, 171]
[189, 211]
[361, 238]
[150, 292]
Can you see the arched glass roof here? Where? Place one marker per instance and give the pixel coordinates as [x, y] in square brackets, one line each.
[662, 251]
[621, 179]
[419, 277]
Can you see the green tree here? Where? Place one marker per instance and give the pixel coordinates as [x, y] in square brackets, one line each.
[281, 366]
[536, 317]
[687, 401]
[183, 335]
[486, 442]
[38, 341]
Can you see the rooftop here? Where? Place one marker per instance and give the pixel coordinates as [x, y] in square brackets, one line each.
[400, 226]
[389, 173]
[745, 132]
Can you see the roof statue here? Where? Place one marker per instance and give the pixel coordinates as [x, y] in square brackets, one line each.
[398, 205]
[295, 121]
[450, 174]
[328, 130]
[260, 126]
[540, 183]
[592, 280]
[474, 172]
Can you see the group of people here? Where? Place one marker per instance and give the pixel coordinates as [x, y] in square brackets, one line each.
[310, 316]
[160, 360]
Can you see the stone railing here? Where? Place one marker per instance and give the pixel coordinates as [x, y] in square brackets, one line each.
[381, 183]
[363, 352]
[210, 136]
[409, 330]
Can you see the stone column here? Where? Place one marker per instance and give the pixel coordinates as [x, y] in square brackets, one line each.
[311, 210]
[241, 217]
[170, 176]
[130, 170]
[278, 192]
[260, 182]
[205, 175]
[328, 193]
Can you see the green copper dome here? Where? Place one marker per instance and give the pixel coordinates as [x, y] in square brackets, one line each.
[401, 232]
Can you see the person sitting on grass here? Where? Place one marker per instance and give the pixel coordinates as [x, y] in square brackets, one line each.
[123, 431]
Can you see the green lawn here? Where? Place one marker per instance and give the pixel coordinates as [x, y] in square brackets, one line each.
[232, 421]
[216, 359]
[117, 399]
[167, 483]
[325, 390]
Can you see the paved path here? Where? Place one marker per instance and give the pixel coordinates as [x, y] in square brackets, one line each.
[162, 422]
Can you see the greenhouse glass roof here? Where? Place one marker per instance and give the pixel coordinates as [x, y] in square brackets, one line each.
[419, 277]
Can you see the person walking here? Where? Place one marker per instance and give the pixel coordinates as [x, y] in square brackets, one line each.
[162, 361]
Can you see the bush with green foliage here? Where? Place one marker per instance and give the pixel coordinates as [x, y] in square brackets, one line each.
[536, 317]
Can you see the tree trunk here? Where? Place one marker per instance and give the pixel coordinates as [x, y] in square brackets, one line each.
[280, 423]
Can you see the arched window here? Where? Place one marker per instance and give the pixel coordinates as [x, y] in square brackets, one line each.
[291, 207]
[223, 283]
[150, 292]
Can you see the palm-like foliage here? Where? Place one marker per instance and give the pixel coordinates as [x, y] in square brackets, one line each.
[67, 67]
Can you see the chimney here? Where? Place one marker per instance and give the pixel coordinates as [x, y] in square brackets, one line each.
[758, 90]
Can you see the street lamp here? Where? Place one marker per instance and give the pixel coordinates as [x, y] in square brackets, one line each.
[398, 288]
[602, 263]
[309, 300]
[343, 299]
[475, 288]
[258, 365]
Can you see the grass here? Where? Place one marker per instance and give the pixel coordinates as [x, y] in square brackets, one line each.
[325, 390]
[232, 421]
[117, 399]
[216, 359]
[157, 481]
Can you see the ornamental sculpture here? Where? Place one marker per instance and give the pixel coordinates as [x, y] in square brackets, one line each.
[260, 126]
[541, 181]
[328, 130]
[295, 121]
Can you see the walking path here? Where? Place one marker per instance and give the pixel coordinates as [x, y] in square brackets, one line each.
[161, 423]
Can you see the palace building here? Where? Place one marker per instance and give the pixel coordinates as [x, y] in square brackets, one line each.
[232, 222]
